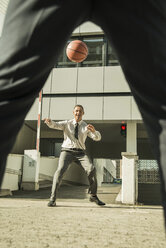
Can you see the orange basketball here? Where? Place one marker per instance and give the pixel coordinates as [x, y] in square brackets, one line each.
[77, 51]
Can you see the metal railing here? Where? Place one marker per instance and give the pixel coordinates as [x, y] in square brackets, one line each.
[148, 171]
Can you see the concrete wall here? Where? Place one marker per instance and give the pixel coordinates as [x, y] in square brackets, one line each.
[12, 176]
[87, 80]
[129, 193]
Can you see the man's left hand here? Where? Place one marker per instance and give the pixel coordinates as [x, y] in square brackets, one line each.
[91, 128]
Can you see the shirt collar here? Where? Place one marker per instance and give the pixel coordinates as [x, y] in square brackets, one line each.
[74, 122]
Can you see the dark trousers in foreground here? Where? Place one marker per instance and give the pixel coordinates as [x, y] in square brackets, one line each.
[65, 159]
[36, 31]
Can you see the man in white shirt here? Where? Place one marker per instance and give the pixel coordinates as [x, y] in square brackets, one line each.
[73, 149]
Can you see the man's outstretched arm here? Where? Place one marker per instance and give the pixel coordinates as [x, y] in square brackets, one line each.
[93, 134]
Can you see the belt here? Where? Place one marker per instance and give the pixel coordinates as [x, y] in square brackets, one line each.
[73, 149]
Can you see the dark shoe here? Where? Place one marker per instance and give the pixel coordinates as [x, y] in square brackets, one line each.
[51, 204]
[96, 200]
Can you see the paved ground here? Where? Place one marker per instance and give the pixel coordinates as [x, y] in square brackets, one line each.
[26, 221]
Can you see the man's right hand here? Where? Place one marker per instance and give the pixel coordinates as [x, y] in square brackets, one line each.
[47, 120]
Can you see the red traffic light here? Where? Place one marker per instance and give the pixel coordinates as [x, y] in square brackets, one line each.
[123, 130]
[123, 126]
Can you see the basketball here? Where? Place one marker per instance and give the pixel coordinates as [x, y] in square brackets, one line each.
[77, 51]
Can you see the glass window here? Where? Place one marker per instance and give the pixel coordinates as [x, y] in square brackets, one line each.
[111, 56]
[95, 47]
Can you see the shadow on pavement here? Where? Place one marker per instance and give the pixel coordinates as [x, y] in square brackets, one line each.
[64, 192]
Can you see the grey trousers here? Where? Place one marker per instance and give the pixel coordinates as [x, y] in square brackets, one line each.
[65, 159]
[35, 33]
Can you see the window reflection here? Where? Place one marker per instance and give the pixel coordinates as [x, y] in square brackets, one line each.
[95, 47]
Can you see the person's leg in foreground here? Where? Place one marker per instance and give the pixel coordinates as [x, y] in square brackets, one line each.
[137, 29]
[34, 34]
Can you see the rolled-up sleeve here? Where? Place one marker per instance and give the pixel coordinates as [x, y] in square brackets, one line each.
[96, 136]
[60, 125]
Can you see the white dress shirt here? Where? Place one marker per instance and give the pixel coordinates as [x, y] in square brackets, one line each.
[68, 128]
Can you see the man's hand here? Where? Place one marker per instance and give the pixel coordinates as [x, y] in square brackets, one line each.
[91, 128]
[47, 120]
